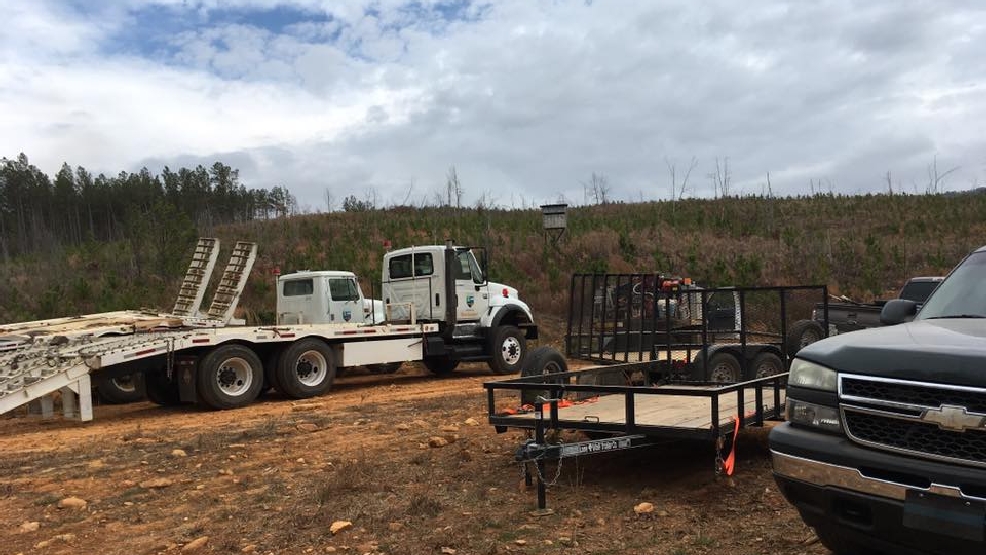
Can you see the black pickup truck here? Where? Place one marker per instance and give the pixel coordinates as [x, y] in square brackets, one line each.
[844, 315]
[884, 448]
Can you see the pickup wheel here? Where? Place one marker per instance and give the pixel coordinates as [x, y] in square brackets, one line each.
[122, 389]
[307, 368]
[441, 367]
[801, 334]
[507, 347]
[384, 368]
[543, 361]
[767, 364]
[160, 390]
[229, 376]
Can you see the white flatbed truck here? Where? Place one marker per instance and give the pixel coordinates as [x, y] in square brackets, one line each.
[323, 324]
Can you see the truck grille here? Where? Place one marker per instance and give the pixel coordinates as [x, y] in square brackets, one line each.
[928, 420]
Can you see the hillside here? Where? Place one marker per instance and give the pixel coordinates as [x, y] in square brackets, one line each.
[861, 246]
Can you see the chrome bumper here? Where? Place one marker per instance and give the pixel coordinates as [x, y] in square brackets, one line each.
[843, 477]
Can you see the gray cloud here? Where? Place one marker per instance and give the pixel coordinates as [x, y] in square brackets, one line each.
[528, 99]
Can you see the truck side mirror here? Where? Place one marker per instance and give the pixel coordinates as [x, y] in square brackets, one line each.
[898, 311]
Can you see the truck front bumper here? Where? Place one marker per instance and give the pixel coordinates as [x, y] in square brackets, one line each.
[888, 502]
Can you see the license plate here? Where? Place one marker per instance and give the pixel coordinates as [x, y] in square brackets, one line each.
[949, 516]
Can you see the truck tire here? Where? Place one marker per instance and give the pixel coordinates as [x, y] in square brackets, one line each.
[507, 347]
[801, 334]
[229, 376]
[767, 364]
[307, 368]
[723, 368]
[542, 361]
[441, 366]
[384, 368]
[122, 389]
[160, 390]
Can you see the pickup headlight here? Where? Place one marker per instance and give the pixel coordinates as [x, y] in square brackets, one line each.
[815, 415]
[815, 376]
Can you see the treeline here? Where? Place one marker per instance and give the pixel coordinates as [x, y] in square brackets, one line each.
[39, 214]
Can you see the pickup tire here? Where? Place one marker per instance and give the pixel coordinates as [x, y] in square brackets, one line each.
[441, 366]
[543, 361]
[307, 368]
[122, 389]
[767, 364]
[229, 376]
[801, 334]
[384, 368]
[160, 390]
[508, 346]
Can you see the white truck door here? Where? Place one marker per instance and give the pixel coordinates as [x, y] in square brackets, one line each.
[471, 288]
[415, 278]
[345, 303]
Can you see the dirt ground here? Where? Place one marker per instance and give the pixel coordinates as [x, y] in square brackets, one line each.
[274, 477]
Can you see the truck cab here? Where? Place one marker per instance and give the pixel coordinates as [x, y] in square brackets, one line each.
[885, 444]
[324, 297]
[479, 320]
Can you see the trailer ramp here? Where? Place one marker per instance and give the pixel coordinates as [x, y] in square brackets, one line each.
[196, 279]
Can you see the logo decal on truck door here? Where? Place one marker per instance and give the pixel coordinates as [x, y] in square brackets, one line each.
[347, 315]
[470, 300]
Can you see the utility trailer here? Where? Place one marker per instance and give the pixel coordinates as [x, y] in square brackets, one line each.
[619, 408]
[324, 324]
[724, 334]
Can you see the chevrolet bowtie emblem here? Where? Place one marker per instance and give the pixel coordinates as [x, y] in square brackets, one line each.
[955, 418]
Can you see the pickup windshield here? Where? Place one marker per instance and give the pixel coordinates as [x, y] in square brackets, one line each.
[962, 294]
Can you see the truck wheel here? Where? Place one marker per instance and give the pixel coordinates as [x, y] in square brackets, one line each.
[767, 364]
[542, 361]
[122, 389]
[801, 334]
[160, 390]
[307, 369]
[385, 368]
[507, 348]
[229, 376]
[723, 368]
[441, 367]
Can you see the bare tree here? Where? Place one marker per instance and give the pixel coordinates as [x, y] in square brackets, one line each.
[597, 189]
[936, 179]
[453, 187]
[679, 187]
[890, 183]
[330, 200]
[721, 178]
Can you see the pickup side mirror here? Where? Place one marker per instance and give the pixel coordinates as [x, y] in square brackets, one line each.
[898, 311]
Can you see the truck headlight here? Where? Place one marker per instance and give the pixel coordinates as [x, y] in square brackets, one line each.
[811, 414]
[809, 374]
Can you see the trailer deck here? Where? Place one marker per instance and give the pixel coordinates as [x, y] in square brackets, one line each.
[620, 408]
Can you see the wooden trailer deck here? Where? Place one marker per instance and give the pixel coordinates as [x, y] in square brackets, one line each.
[664, 410]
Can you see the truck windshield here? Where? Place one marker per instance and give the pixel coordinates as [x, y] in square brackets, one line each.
[918, 291]
[962, 294]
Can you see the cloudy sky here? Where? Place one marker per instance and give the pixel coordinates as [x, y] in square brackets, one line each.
[527, 99]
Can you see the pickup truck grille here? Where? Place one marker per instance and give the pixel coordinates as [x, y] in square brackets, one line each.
[928, 420]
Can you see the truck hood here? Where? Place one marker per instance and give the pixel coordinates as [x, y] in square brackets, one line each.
[496, 291]
[947, 351]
